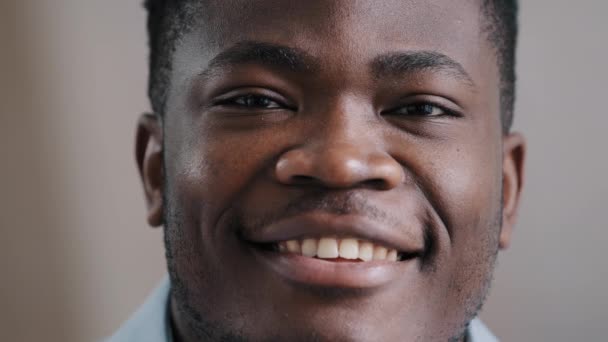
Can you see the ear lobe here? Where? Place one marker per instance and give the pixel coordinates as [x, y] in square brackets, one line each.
[149, 154]
[514, 152]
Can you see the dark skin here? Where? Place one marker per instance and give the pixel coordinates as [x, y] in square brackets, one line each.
[382, 112]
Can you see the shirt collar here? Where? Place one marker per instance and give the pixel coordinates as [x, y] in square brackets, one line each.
[478, 332]
[151, 322]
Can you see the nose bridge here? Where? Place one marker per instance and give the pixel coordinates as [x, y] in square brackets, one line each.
[344, 150]
[342, 124]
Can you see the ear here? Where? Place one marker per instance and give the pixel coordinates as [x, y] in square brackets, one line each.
[514, 152]
[149, 154]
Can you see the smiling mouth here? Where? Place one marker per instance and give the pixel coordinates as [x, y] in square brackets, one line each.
[319, 249]
[334, 262]
[338, 249]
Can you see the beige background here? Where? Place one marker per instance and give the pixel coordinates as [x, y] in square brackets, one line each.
[76, 254]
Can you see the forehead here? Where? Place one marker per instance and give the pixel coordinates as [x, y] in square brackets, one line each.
[351, 25]
[343, 34]
[387, 20]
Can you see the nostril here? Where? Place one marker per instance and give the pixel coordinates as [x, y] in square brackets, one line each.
[339, 166]
[377, 183]
[302, 179]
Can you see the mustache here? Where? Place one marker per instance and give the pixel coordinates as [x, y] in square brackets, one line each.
[339, 204]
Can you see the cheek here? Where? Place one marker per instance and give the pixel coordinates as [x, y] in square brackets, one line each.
[209, 167]
[205, 175]
[471, 188]
[472, 185]
[467, 176]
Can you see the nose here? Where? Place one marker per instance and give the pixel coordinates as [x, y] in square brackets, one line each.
[339, 163]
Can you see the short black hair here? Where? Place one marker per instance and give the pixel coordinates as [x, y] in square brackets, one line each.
[168, 20]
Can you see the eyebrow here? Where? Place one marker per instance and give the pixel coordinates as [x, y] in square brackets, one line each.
[393, 64]
[399, 63]
[272, 55]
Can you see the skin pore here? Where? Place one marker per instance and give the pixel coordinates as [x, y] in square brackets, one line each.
[288, 120]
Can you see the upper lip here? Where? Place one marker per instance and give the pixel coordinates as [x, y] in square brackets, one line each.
[405, 238]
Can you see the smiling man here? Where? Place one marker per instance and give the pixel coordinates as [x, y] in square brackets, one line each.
[328, 170]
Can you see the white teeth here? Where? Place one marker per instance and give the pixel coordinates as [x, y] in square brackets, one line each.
[331, 248]
[380, 253]
[349, 249]
[293, 246]
[327, 248]
[366, 251]
[392, 255]
[309, 247]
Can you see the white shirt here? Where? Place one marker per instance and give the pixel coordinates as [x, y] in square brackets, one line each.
[150, 323]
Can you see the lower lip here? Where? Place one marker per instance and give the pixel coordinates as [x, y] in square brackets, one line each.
[342, 274]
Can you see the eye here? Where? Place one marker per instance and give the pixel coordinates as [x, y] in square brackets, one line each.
[251, 101]
[421, 110]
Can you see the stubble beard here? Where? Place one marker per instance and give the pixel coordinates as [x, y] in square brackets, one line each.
[203, 329]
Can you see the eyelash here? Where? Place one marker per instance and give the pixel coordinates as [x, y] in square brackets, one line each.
[256, 101]
[252, 101]
[421, 106]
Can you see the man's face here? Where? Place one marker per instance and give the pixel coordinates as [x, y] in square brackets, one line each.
[350, 129]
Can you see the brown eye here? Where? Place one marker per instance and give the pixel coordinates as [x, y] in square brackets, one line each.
[420, 109]
[251, 101]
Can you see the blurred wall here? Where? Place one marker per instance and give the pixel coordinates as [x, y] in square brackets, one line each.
[79, 254]
[76, 252]
[551, 285]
